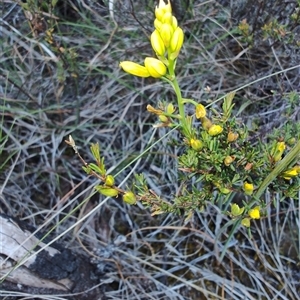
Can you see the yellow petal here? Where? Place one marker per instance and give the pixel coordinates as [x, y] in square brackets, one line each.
[134, 69]
[155, 67]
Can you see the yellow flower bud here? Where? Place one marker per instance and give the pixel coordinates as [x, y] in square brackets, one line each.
[206, 123]
[174, 23]
[277, 151]
[167, 18]
[232, 137]
[166, 32]
[163, 118]
[129, 198]
[106, 191]
[254, 213]
[248, 188]
[200, 111]
[176, 42]
[215, 130]
[228, 160]
[170, 108]
[236, 210]
[134, 69]
[291, 173]
[157, 43]
[155, 67]
[157, 24]
[109, 180]
[246, 222]
[196, 144]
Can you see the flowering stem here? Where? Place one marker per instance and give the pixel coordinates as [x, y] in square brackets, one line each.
[180, 101]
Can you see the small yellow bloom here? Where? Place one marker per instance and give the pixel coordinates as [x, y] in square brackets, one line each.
[157, 43]
[163, 119]
[129, 198]
[176, 42]
[236, 210]
[228, 160]
[134, 69]
[166, 32]
[232, 137]
[254, 213]
[106, 191]
[174, 23]
[215, 130]
[196, 144]
[155, 67]
[248, 188]
[167, 18]
[157, 24]
[293, 172]
[200, 111]
[170, 108]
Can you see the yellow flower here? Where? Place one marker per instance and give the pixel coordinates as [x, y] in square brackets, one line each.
[166, 32]
[134, 69]
[215, 130]
[109, 180]
[248, 188]
[106, 191]
[236, 210]
[167, 18]
[254, 213]
[176, 42]
[196, 144]
[157, 43]
[155, 67]
[200, 111]
[153, 110]
[293, 172]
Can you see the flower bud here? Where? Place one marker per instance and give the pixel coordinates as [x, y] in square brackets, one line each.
[232, 137]
[167, 18]
[236, 210]
[170, 108]
[277, 151]
[196, 144]
[155, 67]
[215, 130]
[129, 198]
[246, 222]
[176, 42]
[200, 111]
[163, 118]
[228, 160]
[174, 23]
[157, 43]
[248, 188]
[254, 213]
[134, 69]
[166, 32]
[206, 123]
[157, 24]
[109, 180]
[106, 191]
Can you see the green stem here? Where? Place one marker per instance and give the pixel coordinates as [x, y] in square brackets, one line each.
[180, 101]
[288, 160]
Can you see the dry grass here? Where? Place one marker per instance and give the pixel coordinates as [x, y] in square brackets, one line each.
[48, 94]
